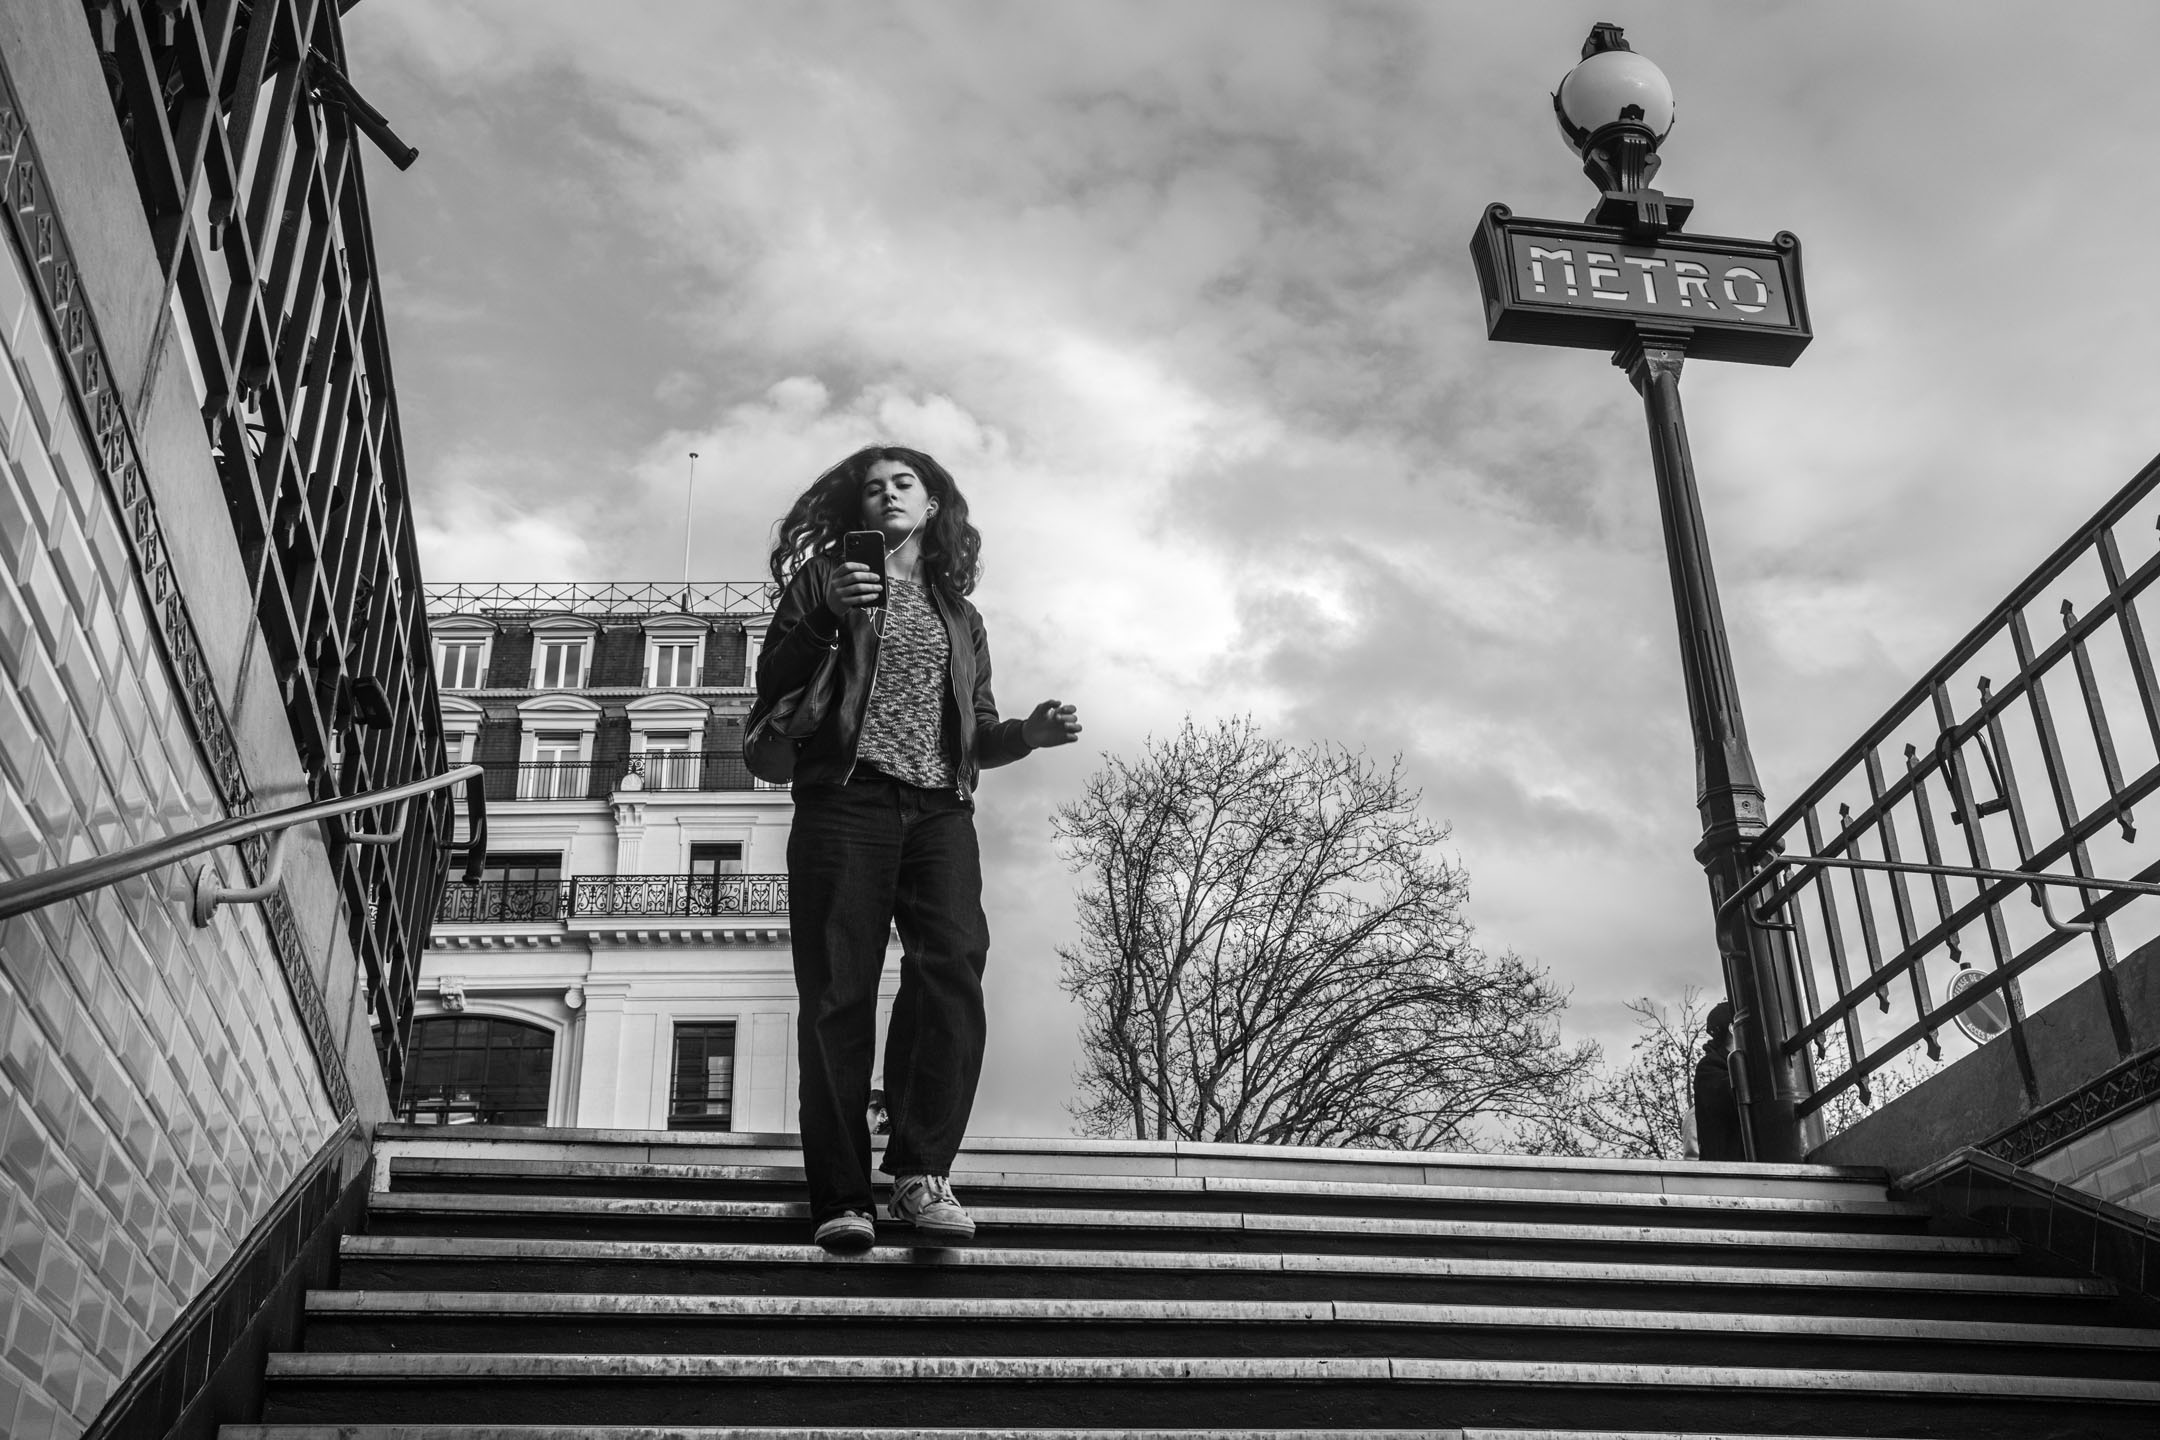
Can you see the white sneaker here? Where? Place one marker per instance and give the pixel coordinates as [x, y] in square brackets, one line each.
[926, 1202]
[847, 1233]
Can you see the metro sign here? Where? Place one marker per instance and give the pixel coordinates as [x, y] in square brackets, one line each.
[1552, 282]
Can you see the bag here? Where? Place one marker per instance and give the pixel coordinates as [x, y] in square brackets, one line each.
[776, 732]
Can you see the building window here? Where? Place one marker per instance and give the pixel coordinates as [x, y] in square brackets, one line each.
[463, 664]
[558, 664]
[703, 1094]
[670, 763]
[720, 858]
[674, 664]
[558, 747]
[534, 868]
[477, 1070]
[558, 770]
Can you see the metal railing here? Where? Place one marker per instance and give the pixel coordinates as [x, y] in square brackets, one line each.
[68, 881]
[664, 771]
[627, 597]
[2022, 753]
[611, 897]
[661, 772]
[548, 780]
[243, 136]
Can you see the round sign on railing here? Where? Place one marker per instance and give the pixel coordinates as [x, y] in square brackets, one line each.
[1984, 1019]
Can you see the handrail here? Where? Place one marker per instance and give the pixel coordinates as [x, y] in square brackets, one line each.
[49, 887]
[2015, 878]
[2001, 769]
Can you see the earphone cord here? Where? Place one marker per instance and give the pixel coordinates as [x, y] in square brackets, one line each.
[889, 553]
[896, 549]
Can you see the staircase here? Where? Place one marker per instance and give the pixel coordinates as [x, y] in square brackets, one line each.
[640, 1283]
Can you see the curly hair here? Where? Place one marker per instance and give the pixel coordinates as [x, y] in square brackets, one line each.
[832, 506]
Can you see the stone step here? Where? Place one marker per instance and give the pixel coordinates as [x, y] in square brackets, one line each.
[1217, 1392]
[363, 1320]
[774, 1432]
[658, 1218]
[1144, 1159]
[1853, 1206]
[423, 1262]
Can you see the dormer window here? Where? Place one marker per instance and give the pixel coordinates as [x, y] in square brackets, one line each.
[461, 663]
[674, 652]
[462, 645]
[674, 664]
[558, 664]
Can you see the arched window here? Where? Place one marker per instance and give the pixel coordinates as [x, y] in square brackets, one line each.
[477, 1069]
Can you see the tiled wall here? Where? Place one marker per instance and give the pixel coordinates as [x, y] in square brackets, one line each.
[157, 1091]
[2119, 1162]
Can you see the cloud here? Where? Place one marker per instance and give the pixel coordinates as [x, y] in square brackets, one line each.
[1182, 295]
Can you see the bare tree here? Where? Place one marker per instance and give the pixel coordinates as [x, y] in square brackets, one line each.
[1637, 1110]
[1271, 951]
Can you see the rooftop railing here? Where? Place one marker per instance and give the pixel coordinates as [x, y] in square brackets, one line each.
[614, 598]
[612, 897]
[1910, 935]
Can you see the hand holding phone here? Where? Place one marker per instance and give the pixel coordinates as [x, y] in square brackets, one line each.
[867, 549]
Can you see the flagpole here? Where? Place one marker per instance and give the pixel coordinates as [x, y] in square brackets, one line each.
[689, 492]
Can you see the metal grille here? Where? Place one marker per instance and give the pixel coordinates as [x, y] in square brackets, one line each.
[628, 597]
[2025, 749]
[236, 122]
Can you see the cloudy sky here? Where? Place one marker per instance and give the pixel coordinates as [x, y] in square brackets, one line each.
[1181, 293]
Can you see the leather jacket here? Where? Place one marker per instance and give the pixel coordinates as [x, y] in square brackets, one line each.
[803, 629]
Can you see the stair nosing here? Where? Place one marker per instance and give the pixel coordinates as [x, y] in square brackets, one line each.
[408, 1367]
[1205, 1185]
[950, 1309]
[1195, 1150]
[1225, 1221]
[428, 1247]
[392, 1430]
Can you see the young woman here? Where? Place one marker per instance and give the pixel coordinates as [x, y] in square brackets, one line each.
[884, 830]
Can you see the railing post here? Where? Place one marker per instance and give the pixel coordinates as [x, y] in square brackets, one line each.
[1728, 794]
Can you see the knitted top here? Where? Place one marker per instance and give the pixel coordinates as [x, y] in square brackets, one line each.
[903, 731]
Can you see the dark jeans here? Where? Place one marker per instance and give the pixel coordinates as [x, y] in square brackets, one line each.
[861, 857]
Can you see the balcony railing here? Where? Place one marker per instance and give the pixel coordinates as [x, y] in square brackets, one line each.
[546, 780]
[612, 897]
[663, 772]
[680, 770]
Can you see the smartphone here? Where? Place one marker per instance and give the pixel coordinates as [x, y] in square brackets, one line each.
[866, 548]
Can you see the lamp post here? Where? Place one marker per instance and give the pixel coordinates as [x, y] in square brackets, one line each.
[1627, 282]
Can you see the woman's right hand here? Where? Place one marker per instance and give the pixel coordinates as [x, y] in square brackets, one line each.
[853, 587]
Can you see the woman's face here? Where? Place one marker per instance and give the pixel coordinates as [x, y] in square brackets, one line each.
[894, 500]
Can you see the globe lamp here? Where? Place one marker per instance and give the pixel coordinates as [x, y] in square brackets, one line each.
[1615, 109]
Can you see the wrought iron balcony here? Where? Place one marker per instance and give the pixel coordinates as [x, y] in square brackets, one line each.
[612, 897]
[546, 780]
[663, 771]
